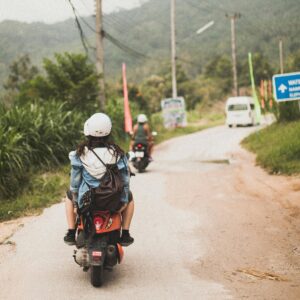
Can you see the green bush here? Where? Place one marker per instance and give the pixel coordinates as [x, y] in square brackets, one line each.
[34, 136]
[277, 147]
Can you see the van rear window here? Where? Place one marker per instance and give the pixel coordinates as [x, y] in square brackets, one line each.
[236, 107]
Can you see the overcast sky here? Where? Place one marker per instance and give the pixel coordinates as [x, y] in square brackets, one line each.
[51, 11]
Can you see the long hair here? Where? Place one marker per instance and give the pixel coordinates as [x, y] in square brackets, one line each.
[92, 142]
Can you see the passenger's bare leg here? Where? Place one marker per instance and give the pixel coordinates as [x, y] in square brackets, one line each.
[71, 217]
[150, 148]
[127, 215]
[69, 238]
[131, 145]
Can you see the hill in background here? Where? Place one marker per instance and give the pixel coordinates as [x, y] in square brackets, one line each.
[146, 30]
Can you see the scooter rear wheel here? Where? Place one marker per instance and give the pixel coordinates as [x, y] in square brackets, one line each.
[97, 276]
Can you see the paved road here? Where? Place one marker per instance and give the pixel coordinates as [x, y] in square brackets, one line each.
[162, 262]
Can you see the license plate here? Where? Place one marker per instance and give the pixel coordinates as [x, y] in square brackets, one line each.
[139, 154]
[97, 253]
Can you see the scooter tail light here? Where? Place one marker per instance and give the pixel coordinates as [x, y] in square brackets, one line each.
[96, 255]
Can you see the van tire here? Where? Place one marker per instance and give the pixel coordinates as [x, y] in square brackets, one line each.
[230, 126]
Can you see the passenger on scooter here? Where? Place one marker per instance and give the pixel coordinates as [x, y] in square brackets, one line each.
[142, 134]
[87, 170]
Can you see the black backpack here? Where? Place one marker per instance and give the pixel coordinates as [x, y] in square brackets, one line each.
[108, 195]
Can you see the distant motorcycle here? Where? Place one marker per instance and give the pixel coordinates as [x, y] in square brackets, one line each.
[140, 158]
[98, 233]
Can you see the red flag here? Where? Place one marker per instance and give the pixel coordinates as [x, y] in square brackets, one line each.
[270, 87]
[127, 113]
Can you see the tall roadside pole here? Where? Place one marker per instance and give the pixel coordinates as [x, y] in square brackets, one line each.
[100, 54]
[233, 19]
[281, 55]
[173, 50]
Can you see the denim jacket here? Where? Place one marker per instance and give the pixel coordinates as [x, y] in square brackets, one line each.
[81, 179]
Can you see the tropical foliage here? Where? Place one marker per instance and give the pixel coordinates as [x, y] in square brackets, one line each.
[34, 136]
[70, 78]
[46, 115]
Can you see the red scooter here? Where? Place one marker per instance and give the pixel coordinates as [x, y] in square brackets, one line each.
[98, 233]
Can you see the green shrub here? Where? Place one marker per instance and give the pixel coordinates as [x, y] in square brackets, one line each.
[277, 147]
[34, 136]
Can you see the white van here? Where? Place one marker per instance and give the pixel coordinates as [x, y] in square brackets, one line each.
[240, 111]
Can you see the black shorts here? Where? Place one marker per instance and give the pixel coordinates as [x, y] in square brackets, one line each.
[70, 196]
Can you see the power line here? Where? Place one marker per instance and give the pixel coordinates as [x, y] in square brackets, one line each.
[106, 35]
[87, 24]
[83, 38]
[115, 41]
[124, 47]
[116, 26]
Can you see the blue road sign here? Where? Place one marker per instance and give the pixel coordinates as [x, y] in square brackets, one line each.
[286, 87]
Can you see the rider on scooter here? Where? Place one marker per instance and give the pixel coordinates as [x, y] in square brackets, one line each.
[142, 134]
[86, 170]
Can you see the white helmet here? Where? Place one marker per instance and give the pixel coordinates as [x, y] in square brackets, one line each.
[142, 118]
[98, 125]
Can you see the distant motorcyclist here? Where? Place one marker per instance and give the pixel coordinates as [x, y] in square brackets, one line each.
[142, 134]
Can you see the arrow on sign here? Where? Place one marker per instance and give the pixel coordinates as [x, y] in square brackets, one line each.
[282, 88]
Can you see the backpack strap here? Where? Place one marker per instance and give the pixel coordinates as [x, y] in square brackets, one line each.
[105, 165]
[117, 158]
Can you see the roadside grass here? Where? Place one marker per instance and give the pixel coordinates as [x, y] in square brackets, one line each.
[165, 134]
[47, 188]
[196, 122]
[277, 147]
[44, 190]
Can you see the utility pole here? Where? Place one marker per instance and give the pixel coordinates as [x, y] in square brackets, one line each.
[281, 55]
[233, 18]
[173, 50]
[100, 55]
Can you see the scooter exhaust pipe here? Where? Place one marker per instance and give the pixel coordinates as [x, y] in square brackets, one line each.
[111, 256]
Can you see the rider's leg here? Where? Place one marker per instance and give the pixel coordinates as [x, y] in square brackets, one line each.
[127, 215]
[69, 238]
[131, 145]
[150, 148]
[70, 213]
